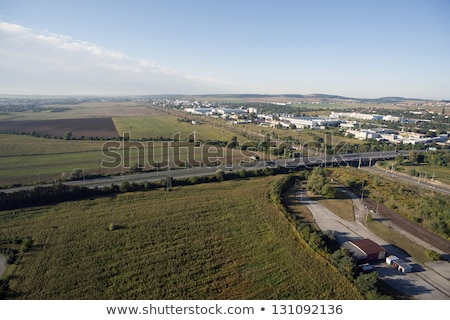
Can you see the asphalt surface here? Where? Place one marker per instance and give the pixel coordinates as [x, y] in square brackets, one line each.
[424, 283]
[305, 162]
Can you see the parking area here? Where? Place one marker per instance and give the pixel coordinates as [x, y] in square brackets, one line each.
[429, 282]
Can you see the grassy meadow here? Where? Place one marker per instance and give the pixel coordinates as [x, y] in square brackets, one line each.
[24, 145]
[428, 172]
[211, 241]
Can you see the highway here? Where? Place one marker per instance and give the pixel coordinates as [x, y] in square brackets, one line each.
[356, 159]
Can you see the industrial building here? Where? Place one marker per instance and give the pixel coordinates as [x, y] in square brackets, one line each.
[365, 250]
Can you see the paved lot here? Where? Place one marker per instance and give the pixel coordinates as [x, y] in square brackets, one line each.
[423, 283]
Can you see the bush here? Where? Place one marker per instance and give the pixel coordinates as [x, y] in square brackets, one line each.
[367, 282]
[433, 255]
[112, 227]
[344, 262]
[220, 175]
[25, 245]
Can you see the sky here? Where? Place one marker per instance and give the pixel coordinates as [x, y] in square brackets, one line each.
[353, 48]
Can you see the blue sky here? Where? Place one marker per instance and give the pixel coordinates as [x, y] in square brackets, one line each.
[352, 48]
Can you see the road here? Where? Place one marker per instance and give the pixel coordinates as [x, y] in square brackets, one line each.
[424, 283]
[302, 162]
[427, 282]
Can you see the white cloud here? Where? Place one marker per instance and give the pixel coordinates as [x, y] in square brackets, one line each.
[47, 63]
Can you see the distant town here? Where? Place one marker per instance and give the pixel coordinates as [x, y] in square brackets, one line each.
[417, 122]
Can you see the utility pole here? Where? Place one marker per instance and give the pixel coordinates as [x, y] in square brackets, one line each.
[362, 191]
[169, 178]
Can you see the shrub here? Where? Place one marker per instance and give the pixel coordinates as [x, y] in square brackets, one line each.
[220, 175]
[367, 282]
[25, 245]
[433, 255]
[112, 227]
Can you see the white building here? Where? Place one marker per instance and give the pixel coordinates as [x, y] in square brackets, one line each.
[402, 266]
[310, 122]
[391, 259]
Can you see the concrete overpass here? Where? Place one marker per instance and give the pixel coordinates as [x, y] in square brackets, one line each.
[302, 163]
[341, 159]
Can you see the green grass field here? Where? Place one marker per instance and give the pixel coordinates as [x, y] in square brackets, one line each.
[167, 127]
[23, 145]
[39, 160]
[431, 173]
[211, 241]
[45, 168]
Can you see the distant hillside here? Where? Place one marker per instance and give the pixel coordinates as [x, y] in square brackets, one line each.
[292, 97]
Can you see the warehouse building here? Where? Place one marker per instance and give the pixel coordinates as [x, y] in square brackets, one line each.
[365, 250]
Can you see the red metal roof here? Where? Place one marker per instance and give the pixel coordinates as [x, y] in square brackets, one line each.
[368, 246]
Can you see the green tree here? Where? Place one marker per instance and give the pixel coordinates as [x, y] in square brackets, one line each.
[68, 135]
[344, 262]
[318, 183]
[367, 282]
[233, 143]
[315, 241]
[413, 156]
[125, 187]
[328, 191]
[316, 180]
[399, 159]
[220, 175]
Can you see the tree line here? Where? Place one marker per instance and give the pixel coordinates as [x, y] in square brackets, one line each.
[325, 243]
[40, 195]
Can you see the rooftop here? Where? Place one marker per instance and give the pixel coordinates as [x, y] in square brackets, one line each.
[368, 246]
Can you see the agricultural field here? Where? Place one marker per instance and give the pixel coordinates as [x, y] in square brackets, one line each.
[78, 128]
[169, 126]
[210, 241]
[23, 145]
[36, 169]
[28, 158]
[86, 110]
[39, 160]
